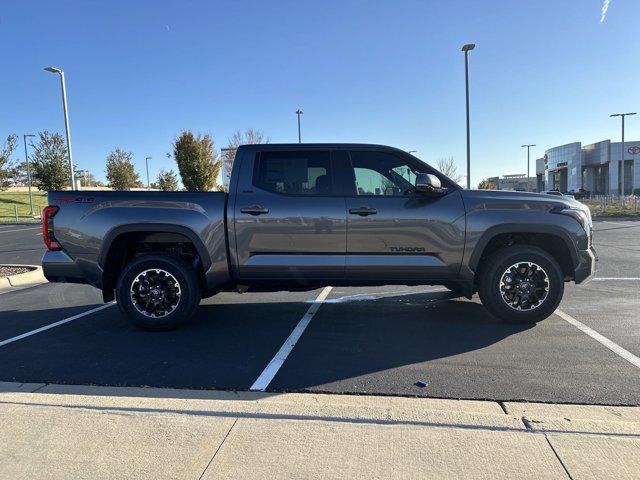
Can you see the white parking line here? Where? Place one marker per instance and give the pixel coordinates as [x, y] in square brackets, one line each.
[614, 347]
[20, 229]
[606, 222]
[617, 279]
[263, 381]
[55, 324]
[360, 297]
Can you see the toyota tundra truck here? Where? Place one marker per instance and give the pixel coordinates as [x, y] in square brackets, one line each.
[302, 216]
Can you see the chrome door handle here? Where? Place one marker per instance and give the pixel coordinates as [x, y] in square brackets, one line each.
[363, 211]
[254, 210]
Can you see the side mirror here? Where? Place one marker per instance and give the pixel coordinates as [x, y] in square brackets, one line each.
[429, 184]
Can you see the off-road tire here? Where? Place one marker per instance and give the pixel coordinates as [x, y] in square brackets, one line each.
[182, 272]
[491, 273]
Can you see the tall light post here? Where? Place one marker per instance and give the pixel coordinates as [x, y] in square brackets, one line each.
[146, 161]
[26, 159]
[621, 173]
[298, 113]
[528, 148]
[66, 121]
[466, 49]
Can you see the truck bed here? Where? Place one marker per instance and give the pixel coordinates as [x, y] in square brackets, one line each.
[88, 222]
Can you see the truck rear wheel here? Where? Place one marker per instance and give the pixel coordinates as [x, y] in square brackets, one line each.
[158, 291]
[521, 284]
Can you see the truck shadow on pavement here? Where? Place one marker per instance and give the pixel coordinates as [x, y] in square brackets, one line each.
[227, 345]
[346, 343]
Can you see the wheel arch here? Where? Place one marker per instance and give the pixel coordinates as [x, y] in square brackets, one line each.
[550, 238]
[113, 252]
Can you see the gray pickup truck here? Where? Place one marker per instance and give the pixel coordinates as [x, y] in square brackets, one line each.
[301, 216]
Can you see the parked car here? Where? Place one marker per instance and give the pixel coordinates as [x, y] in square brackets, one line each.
[579, 194]
[301, 216]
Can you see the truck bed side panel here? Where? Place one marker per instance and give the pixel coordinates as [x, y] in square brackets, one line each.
[88, 222]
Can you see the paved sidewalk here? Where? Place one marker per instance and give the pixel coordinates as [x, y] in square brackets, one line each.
[54, 431]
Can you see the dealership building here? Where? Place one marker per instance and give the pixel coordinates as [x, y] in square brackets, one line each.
[595, 168]
[518, 182]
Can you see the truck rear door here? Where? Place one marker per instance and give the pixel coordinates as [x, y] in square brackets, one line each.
[290, 219]
[394, 234]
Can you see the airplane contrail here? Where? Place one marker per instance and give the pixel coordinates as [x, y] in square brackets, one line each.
[605, 7]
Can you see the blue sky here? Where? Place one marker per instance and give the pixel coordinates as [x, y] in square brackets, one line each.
[390, 72]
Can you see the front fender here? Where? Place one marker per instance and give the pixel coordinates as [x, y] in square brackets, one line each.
[484, 225]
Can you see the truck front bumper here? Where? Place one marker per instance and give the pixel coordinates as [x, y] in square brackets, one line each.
[586, 268]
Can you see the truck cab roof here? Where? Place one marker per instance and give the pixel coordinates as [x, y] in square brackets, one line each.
[332, 146]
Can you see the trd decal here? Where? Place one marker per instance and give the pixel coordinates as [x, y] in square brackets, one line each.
[408, 249]
[76, 200]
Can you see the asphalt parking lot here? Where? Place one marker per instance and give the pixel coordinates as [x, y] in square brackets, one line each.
[21, 244]
[359, 340]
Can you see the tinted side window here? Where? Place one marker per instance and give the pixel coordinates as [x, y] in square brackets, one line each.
[380, 173]
[294, 173]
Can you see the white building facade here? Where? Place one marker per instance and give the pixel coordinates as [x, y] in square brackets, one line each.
[595, 168]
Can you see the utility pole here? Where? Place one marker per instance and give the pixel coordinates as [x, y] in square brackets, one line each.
[146, 161]
[466, 49]
[66, 121]
[26, 159]
[621, 171]
[298, 113]
[528, 147]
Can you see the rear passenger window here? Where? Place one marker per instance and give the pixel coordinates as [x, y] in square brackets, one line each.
[294, 173]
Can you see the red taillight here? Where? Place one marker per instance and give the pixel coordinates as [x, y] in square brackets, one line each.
[47, 227]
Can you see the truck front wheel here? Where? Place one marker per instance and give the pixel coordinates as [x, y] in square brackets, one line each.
[158, 291]
[521, 284]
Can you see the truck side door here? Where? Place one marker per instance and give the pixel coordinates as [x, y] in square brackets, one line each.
[395, 234]
[290, 219]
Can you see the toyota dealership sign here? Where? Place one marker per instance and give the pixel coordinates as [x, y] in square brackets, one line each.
[633, 150]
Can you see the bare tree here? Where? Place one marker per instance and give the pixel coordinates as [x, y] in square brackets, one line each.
[248, 137]
[448, 168]
[89, 180]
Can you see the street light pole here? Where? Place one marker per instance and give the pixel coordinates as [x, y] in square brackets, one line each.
[621, 173]
[466, 49]
[26, 159]
[528, 147]
[146, 160]
[298, 113]
[66, 121]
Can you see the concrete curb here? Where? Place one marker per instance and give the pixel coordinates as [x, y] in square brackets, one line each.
[34, 277]
[209, 434]
[531, 417]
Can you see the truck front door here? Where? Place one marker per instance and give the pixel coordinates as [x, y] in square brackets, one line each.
[395, 234]
[290, 220]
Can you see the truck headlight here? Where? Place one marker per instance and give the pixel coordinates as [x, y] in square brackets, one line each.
[582, 215]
